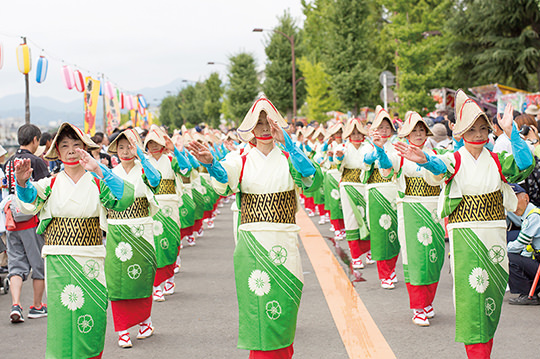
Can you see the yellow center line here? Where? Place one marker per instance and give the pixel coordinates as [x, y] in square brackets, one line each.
[359, 333]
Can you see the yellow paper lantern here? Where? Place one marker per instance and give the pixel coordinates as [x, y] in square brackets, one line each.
[24, 58]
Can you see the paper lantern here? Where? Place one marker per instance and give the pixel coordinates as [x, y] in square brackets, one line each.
[109, 90]
[101, 87]
[24, 59]
[142, 101]
[79, 81]
[122, 98]
[41, 69]
[67, 76]
[1, 55]
[128, 102]
[117, 95]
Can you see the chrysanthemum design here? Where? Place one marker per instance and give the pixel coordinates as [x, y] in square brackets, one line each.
[385, 221]
[490, 306]
[259, 282]
[434, 215]
[433, 255]
[479, 279]
[392, 236]
[124, 251]
[184, 212]
[335, 194]
[85, 323]
[134, 271]
[496, 254]
[278, 255]
[425, 236]
[158, 228]
[91, 269]
[273, 310]
[137, 230]
[167, 211]
[72, 297]
[164, 243]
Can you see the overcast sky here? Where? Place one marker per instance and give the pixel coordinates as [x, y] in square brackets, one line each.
[136, 43]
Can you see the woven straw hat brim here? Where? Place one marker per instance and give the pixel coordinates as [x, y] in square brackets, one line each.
[245, 129]
[380, 115]
[113, 146]
[354, 123]
[334, 129]
[467, 112]
[52, 154]
[155, 134]
[411, 120]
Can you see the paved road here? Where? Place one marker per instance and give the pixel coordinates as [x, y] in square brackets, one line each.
[200, 320]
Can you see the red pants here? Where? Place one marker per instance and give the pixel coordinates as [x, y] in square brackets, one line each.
[198, 225]
[164, 273]
[130, 312]
[283, 353]
[322, 211]
[420, 296]
[479, 351]
[188, 231]
[309, 203]
[386, 267]
[338, 224]
[359, 247]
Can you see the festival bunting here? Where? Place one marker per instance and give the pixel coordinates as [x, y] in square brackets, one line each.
[112, 110]
[91, 96]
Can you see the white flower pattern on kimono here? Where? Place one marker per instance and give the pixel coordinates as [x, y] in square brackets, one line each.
[433, 255]
[85, 323]
[278, 255]
[167, 211]
[385, 221]
[335, 194]
[158, 228]
[91, 269]
[72, 297]
[273, 309]
[184, 212]
[134, 271]
[425, 236]
[124, 251]
[479, 279]
[137, 230]
[259, 282]
[164, 243]
[490, 306]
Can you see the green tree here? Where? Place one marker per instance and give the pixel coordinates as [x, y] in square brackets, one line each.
[499, 41]
[243, 86]
[278, 72]
[416, 34]
[191, 103]
[320, 98]
[169, 112]
[350, 54]
[316, 29]
[212, 99]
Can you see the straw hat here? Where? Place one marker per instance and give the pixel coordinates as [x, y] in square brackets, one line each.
[410, 121]
[380, 115]
[129, 134]
[3, 151]
[319, 131]
[334, 129]
[39, 151]
[231, 135]
[52, 154]
[354, 123]
[250, 121]
[532, 110]
[467, 112]
[308, 131]
[157, 135]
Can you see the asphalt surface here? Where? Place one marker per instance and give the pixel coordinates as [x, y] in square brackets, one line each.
[201, 321]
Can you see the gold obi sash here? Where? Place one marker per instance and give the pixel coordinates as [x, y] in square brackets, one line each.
[417, 186]
[186, 180]
[278, 207]
[484, 207]
[351, 175]
[139, 209]
[333, 167]
[376, 177]
[63, 231]
[167, 186]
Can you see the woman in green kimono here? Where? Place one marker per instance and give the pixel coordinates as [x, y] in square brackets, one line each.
[72, 210]
[130, 264]
[475, 195]
[267, 264]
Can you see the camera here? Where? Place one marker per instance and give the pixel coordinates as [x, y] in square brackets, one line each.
[525, 130]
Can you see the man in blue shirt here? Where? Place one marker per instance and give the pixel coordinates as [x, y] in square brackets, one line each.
[522, 266]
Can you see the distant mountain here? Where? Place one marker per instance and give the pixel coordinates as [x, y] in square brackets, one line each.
[47, 110]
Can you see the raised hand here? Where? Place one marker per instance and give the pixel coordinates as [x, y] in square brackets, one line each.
[201, 152]
[507, 120]
[277, 132]
[23, 170]
[412, 153]
[88, 162]
[169, 145]
[339, 153]
[377, 139]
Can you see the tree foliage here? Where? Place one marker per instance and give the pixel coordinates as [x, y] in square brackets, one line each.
[243, 86]
[212, 99]
[169, 113]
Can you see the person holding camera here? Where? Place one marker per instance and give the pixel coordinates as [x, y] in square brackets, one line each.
[522, 266]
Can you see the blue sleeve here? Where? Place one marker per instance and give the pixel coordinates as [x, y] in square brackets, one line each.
[27, 194]
[115, 183]
[192, 159]
[520, 149]
[298, 158]
[325, 146]
[458, 144]
[216, 170]
[384, 161]
[153, 175]
[434, 165]
[224, 151]
[182, 160]
[308, 148]
[489, 146]
[340, 158]
[369, 158]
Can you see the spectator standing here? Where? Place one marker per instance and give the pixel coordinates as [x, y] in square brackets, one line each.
[23, 244]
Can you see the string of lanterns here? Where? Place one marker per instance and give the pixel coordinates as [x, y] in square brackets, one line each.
[73, 79]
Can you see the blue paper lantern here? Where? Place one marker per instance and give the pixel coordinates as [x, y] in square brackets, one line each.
[41, 69]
